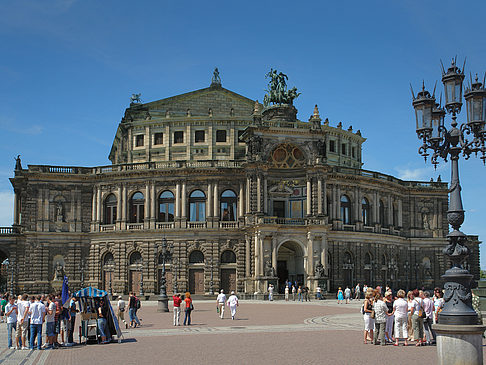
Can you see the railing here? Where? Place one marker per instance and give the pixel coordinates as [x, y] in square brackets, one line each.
[385, 230]
[196, 224]
[134, 226]
[107, 227]
[164, 225]
[368, 229]
[9, 230]
[348, 227]
[229, 224]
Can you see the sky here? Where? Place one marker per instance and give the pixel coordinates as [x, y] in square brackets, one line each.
[68, 68]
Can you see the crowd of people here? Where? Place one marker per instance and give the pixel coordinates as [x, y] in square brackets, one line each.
[407, 317]
[25, 316]
[301, 292]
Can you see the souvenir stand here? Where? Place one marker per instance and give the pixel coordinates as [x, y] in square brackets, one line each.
[88, 312]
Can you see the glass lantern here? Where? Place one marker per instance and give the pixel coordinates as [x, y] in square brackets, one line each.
[423, 105]
[452, 81]
[476, 105]
[438, 115]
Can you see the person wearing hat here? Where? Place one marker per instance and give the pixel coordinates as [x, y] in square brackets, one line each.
[390, 319]
[232, 303]
[220, 301]
[121, 310]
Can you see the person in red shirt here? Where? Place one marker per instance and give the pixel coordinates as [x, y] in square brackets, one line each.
[177, 309]
[189, 308]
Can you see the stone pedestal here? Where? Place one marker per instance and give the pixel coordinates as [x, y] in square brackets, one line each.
[163, 304]
[56, 285]
[459, 345]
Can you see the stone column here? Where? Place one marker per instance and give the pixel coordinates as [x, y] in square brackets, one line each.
[94, 208]
[183, 198]
[119, 208]
[16, 209]
[357, 205]
[146, 207]
[274, 254]
[248, 187]
[400, 213]
[257, 254]
[337, 203]
[209, 205]
[319, 196]
[261, 239]
[247, 256]
[324, 187]
[153, 206]
[241, 211]
[390, 210]
[178, 200]
[124, 207]
[216, 201]
[310, 254]
[99, 204]
[259, 194]
[376, 212]
[309, 196]
[265, 196]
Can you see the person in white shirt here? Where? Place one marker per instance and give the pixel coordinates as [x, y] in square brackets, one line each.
[11, 314]
[347, 294]
[220, 302]
[429, 310]
[417, 321]
[270, 292]
[357, 292]
[23, 321]
[232, 303]
[318, 293]
[37, 312]
[50, 323]
[121, 310]
[287, 293]
[400, 311]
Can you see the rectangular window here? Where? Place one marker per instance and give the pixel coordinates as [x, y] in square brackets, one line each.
[158, 138]
[221, 136]
[343, 149]
[296, 208]
[353, 152]
[240, 133]
[139, 140]
[199, 136]
[179, 137]
[279, 208]
[332, 146]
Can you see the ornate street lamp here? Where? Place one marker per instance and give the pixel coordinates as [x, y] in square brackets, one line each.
[165, 254]
[451, 144]
[175, 268]
[141, 279]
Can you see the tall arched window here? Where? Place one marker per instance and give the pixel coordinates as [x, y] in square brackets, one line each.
[196, 257]
[197, 206]
[228, 257]
[135, 258]
[395, 215]
[348, 259]
[382, 213]
[345, 210]
[137, 203]
[166, 207]
[228, 206]
[110, 209]
[365, 211]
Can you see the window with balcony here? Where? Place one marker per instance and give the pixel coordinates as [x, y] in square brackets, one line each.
[228, 205]
[345, 210]
[221, 135]
[139, 140]
[332, 146]
[166, 207]
[110, 209]
[179, 137]
[137, 204]
[198, 136]
[365, 212]
[381, 212]
[158, 138]
[197, 206]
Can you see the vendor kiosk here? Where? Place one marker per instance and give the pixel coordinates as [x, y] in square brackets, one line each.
[88, 308]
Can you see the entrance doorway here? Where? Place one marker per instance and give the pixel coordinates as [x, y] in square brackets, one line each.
[290, 264]
[135, 277]
[228, 280]
[196, 281]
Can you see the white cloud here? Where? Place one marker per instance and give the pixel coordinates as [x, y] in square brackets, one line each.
[6, 208]
[420, 173]
[15, 126]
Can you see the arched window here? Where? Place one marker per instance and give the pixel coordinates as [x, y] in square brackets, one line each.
[166, 207]
[329, 207]
[367, 260]
[365, 211]
[108, 260]
[384, 260]
[395, 215]
[348, 259]
[135, 258]
[228, 257]
[345, 210]
[382, 213]
[137, 203]
[196, 257]
[228, 206]
[197, 206]
[110, 209]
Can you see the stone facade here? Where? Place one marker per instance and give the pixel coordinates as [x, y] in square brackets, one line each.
[244, 197]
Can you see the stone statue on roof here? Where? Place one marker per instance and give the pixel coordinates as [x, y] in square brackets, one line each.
[277, 92]
[135, 99]
[216, 80]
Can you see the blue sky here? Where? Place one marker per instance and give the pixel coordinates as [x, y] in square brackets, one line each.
[67, 69]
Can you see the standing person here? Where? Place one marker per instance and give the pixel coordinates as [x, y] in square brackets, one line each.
[381, 312]
[233, 303]
[23, 321]
[318, 293]
[11, 314]
[347, 294]
[220, 303]
[357, 292]
[365, 289]
[409, 322]
[120, 312]
[428, 305]
[132, 310]
[37, 313]
[57, 318]
[400, 312]
[293, 292]
[340, 296]
[3, 304]
[50, 322]
[64, 318]
[270, 292]
[177, 309]
[417, 320]
[72, 320]
[368, 321]
[189, 307]
[286, 293]
[103, 323]
[438, 303]
[300, 297]
[390, 317]
[306, 293]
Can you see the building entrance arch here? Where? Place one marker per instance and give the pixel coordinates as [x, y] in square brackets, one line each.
[290, 264]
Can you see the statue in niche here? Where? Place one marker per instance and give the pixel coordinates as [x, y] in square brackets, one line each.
[319, 270]
[58, 271]
[59, 212]
[269, 270]
[425, 220]
[427, 270]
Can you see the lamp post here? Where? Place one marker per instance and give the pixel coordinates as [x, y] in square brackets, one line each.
[447, 144]
[165, 254]
[406, 268]
[175, 268]
[110, 293]
[10, 264]
[141, 279]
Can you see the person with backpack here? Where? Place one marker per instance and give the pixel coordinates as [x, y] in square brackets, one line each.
[133, 306]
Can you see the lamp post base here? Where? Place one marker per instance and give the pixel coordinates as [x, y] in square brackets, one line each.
[459, 344]
[163, 305]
